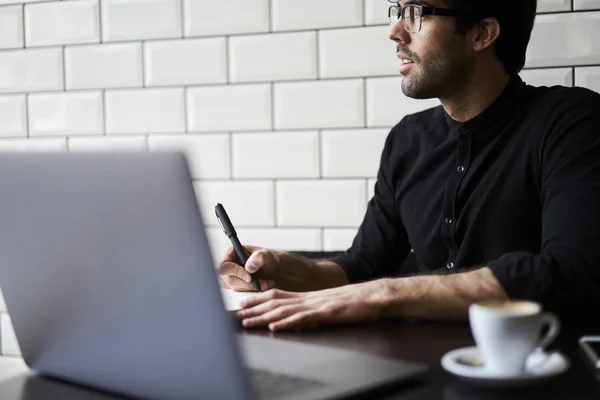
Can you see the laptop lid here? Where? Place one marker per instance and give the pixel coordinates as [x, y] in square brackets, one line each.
[108, 276]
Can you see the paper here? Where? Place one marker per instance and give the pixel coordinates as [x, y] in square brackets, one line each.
[233, 298]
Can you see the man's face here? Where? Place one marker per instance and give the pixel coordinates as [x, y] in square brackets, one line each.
[435, 60]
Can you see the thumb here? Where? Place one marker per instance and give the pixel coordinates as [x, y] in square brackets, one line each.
[264, 260]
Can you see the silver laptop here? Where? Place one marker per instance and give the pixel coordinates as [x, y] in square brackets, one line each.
[110, 283]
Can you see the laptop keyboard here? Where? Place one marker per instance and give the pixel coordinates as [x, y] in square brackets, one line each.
[269, 385]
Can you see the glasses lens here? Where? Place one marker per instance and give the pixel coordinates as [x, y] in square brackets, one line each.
[412, 18]
[394, 14]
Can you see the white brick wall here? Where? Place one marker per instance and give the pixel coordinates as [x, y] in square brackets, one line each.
[282, 106]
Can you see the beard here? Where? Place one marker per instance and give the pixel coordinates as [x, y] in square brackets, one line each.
[440, 72]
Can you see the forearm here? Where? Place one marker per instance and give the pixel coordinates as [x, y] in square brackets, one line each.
[439, 297]
[300, 274]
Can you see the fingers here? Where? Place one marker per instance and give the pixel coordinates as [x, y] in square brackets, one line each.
[276, 314]
[229, 268]
[262, 259]
[234, 283]
[264, 307]
[264, 297]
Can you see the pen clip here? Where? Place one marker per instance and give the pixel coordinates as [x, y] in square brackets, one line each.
[221, 224]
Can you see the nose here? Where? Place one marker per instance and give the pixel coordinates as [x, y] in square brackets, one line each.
[398, 34]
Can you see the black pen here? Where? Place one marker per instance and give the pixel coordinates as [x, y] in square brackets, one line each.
[229, 230]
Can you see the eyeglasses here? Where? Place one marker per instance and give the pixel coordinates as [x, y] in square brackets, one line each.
[411, 15]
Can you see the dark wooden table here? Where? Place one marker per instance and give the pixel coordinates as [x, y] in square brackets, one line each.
[429, 341]
[418, 341]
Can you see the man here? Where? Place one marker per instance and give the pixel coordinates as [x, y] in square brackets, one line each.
[497, 190]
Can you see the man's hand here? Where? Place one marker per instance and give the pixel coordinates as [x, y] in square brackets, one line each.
[279, 269]
[263, 262]
[281, 310]
[437, 297]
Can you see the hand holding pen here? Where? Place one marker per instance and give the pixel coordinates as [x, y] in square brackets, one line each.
[229, 230]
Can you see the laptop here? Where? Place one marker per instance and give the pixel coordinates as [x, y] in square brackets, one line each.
[110, 283]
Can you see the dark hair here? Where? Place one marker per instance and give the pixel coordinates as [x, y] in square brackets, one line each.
[516, 24]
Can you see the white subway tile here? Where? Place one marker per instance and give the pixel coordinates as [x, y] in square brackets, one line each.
[141, 19]
[323, 104]
[276, 155]
[338, 239]
[210, 17]
[62, 22]
[185, 62]
[313, 14]
[387, 105]
[247, 203]
[357, 52]
[11, 27]
[376, 12]
[104, 66]
[10, 345]
[548, 77]
[259, 57]
[282, 239]
[2, 305]
[13, 117]
[352, 153]
[565, 39]
[31, 70]
[33, 145]
[586, 4]
[588, 77]
[3, 2]
[371, 188]
[207, 154]
[218, 242]
[229, 108]
[332, 203]
[75, 113]
[108, 143]
[553, 5]
[145, 111]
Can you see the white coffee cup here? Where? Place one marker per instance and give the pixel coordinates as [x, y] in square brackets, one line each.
[507, 332]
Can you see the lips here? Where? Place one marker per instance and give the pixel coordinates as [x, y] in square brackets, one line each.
[406, 64]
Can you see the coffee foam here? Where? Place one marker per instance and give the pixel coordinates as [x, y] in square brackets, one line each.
[511, 307]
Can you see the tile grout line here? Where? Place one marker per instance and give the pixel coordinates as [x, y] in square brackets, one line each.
[318, 55]
[143, 62]
[270, 15]
[364, 12]
[64, 68]
[227, 61]
[365, 110]
[320, 150]
[24, 31]
[272, 107]
[231, 166]
[275, 216]
[182, 17]
[27, 134]
[100, 29]
[104, 113]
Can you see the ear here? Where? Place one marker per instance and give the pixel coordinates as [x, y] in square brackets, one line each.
[485, 34]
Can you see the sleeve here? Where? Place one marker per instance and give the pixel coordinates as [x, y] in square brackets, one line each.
[381, 244]
[566, 273]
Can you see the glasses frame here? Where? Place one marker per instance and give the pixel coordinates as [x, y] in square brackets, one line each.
[424, 10]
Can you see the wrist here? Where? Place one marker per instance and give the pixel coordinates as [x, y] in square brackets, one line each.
[387, 297]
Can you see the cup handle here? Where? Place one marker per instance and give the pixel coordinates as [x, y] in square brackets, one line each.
[553, 328]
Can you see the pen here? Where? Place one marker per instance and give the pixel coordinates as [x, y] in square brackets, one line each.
[229, 230]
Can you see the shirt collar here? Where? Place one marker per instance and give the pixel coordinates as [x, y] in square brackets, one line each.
[500, 110]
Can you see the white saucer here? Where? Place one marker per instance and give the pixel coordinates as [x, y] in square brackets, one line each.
[465, 363]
